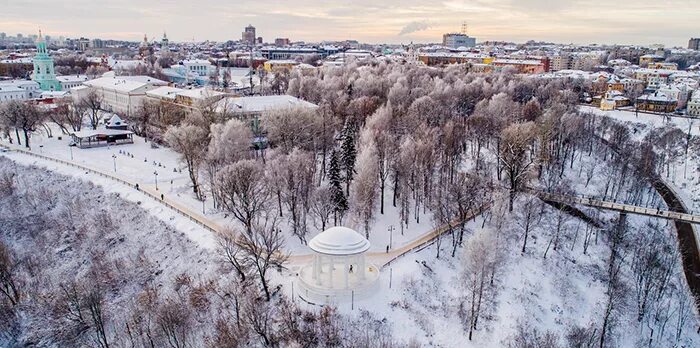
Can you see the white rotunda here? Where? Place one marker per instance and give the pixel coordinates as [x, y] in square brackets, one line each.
[338, 270]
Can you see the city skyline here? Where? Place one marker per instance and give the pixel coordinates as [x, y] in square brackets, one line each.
[628, 22]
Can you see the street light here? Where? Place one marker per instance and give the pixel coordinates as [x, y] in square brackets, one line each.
[41, 149]
[204, 199]
[114, 157]
[391, 235]
[156, 174]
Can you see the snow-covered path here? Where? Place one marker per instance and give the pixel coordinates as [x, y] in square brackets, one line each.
[210, 228]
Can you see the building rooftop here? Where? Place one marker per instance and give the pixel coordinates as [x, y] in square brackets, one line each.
[124, 83]
[339, 241]
[165, 92]
[72, 78]
[256, 104]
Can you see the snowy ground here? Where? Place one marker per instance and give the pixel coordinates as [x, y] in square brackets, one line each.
[684, 177]
[174, 183]
[193, 231]
[554, 294]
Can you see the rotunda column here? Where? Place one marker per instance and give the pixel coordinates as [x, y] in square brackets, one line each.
[346, 269]
[330, 272]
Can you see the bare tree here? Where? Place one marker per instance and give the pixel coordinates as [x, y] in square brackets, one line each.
[615, 287]
[174, 322]
[92, 102]
[480, 260]
[515, 144]
[25, 116]
[94, 301]
[232, 253]
[322, 206]
[264, 247]
[9, 282]
[243, 192]
[526, 219]
[191, 142]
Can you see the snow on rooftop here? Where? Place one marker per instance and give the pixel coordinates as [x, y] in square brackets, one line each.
[164, 92]
[256, 104]
[339, 240]
[199, 93]
[72, 78]
[124, 83]
[85, 133]
[10, 88]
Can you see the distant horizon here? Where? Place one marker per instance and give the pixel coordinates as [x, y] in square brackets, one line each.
[271, 41]
[628, 22]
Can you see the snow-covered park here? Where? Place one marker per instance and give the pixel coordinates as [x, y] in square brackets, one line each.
[464, 253]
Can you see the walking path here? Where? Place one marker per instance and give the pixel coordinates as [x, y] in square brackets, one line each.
[381, 259]
[625, 208]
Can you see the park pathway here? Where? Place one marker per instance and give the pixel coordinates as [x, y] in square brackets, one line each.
[381, 259]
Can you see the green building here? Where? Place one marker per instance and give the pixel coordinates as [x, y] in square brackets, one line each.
[44, 73]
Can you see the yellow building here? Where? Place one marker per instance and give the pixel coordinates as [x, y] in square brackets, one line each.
[663, 66]
[273, 65]
[647, 59]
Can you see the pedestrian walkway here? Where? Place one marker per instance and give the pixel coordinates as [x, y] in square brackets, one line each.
[625, 208]
[379, 258]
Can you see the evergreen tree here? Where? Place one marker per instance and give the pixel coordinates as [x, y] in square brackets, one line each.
[340, 203]
[348, 154]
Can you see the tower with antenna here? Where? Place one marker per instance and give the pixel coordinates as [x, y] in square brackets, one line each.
[458, 40]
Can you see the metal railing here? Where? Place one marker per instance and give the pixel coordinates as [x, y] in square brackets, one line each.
[628, 208]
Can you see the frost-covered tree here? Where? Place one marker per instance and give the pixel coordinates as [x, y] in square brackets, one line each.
[288, 128]
[516, 141]
[363, 196]
[379, 129]
[480, 260]
[264, 250]
[229, 143]
[243, 191]
[295, 172]
[191, 143]
[322, 206]
[92, 102]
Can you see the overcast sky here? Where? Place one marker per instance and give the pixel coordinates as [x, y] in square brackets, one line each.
[670, 22]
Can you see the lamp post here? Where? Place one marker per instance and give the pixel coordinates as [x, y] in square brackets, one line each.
[391, 235]
[204, 199]
[41, 149]
[156, 174]
[114, 158]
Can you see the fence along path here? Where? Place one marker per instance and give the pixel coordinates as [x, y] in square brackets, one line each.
[625, 208]
[382, 258]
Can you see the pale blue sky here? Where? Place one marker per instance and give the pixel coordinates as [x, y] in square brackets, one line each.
[670, 22]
